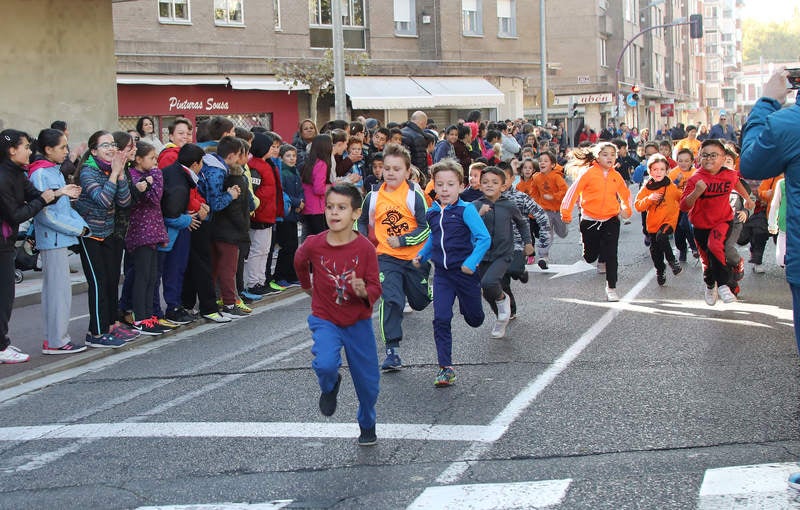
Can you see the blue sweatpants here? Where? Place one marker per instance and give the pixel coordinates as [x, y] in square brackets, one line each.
[796, 310]
[400, 280]
[449, 284]
[358, 341]
[175, 262]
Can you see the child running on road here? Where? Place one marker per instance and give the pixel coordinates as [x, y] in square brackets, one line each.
[604, 196]
[344, 289]
[498, 214]
[395, 214]
[457, 243]
[679, 175]
[661, 199]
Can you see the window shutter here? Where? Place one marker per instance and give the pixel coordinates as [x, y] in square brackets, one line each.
[504, 8]
[402, 11]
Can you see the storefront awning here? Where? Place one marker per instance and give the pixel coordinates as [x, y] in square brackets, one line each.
[386, 93]
[236, 82]
[461, 92]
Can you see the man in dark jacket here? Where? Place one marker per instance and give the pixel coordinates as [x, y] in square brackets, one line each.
[414, 140]
[722, 129]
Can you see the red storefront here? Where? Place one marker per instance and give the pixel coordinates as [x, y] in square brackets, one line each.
[276, 110]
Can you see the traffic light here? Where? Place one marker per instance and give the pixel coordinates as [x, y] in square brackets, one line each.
[635, 93]
[695, 26]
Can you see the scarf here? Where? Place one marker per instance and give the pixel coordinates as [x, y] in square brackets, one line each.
[99, 164]
[657, 185]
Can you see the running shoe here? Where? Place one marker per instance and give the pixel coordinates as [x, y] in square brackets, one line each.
[445, 377]
[12, 355]
[69, 348]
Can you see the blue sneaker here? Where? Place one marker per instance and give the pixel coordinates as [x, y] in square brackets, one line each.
[252, 297]
[794, 481]
[108, 341]
[392, 362]
[287, 284]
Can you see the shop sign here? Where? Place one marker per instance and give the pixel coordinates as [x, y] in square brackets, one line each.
[177, 104]
[667, 110]
[585, 99]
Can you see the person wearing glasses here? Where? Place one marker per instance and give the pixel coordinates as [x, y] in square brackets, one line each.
[103, 189]
[706, 198]
[722, 130]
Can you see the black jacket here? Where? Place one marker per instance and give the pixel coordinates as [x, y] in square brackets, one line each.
[177, 188]
[414, 141]
[232, 224]
[19, 201]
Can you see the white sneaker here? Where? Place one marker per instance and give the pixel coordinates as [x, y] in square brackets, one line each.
[601, 268]
[711, 296]
[758, 268]
[499, 329]
[13, 355]
[611, 294]
[725, 294]
[504, 309]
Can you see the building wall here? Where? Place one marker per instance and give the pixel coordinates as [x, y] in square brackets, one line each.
[63, 56]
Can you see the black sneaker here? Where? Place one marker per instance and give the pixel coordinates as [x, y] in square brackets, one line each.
[661, 278]
[367, 437]
[327, 401]
[178, 316]
[676, 267]
[524, 276]
[542, 263]
[259, 290]
[232, 312]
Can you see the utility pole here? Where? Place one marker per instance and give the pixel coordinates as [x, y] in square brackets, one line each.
[340, 97]
[543, 64]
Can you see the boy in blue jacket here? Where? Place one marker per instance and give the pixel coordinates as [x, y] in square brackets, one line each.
[286, 230]
[457, 243]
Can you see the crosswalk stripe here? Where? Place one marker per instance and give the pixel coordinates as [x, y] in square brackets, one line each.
[493, 496]
[746, 487]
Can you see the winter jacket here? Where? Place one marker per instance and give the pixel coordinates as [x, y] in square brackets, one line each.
[599, 192]
[771, 146]
[100, 198]
[510, 147]
[58, 225]
[211, 183]
[444, 149]
[727, 133]
[462, 155]
[458, 236]
[232, 224]
[267, 187]
[550, 183]
[414, 141]
[168, 156]
[180, 198]
[293, 189]
[147, 222]
[663, 212]
[19, 201]
[315, 192]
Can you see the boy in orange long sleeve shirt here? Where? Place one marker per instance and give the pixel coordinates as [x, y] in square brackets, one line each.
[661, 199]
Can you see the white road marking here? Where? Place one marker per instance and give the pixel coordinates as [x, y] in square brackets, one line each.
[79, 317]
[561, 269]
[493, 496]
[746, 487]
[526, 397]
[407, 431]
[272, 505]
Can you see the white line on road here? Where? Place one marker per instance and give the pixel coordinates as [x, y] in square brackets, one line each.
[526, 397]
[492, 496]
[743, 487]
[321, 430]
[272, 505]
[79, 317]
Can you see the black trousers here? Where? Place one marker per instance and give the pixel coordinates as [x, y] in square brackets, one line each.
[313, 224]
[601, 239]
[198, 282]
[145, 263]
[101, 265]
[717, 271]
[6, 295]
[660, 249]
[286, 237]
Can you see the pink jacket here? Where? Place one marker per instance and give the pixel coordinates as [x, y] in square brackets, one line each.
[315, 192]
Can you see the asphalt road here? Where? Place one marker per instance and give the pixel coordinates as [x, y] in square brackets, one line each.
[648, 403]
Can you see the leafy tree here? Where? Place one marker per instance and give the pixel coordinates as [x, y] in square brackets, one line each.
[317, 75]
[776, 42]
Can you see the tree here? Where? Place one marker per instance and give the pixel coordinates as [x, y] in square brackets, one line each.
[775, 42]
[316, 74]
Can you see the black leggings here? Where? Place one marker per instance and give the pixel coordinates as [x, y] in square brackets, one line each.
[6, 295]
[102, 269]
[601, 239]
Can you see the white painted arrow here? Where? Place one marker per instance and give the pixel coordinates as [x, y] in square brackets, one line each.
[561, 269]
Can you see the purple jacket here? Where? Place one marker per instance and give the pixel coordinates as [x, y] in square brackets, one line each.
[147, 223]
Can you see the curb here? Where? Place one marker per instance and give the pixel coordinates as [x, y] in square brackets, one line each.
[91, 355]
[35, 298]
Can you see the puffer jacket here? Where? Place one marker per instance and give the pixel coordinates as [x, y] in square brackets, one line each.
[59, 225]
[19, 201]
[267, 187]
[771, 146]
[414, 141]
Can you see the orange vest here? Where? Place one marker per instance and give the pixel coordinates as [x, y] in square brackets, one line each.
[394, 217]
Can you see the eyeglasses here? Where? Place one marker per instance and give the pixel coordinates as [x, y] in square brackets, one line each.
[107, 145]
[136, 138]
[710, 155]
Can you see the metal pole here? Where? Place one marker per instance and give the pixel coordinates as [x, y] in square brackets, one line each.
[340, 97]
[543, 65]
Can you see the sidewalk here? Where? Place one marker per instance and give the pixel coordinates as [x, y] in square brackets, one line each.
[28, 292]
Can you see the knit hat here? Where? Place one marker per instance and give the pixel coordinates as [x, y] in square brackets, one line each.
[261, 144]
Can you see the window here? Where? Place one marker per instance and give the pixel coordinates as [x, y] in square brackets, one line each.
[228, 12]
[321, 29]
[603, 53]
[405, 17]
[507, 18]
[173, 11]
[276, 14]
[472, 19]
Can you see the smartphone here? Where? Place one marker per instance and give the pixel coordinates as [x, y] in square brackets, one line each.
[793, 77]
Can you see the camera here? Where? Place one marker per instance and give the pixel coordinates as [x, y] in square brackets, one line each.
[793, 77]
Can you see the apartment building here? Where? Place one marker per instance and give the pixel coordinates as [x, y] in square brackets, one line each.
[723, 60]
